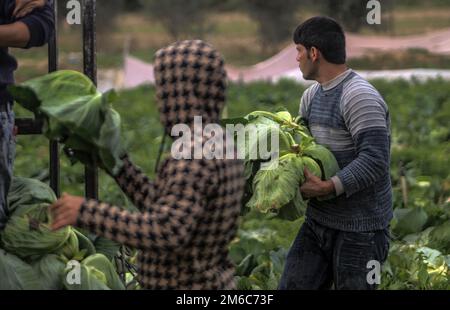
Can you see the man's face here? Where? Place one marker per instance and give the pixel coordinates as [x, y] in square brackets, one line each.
[306, 63]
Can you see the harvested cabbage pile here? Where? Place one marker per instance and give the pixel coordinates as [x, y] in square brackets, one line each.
[276, 188]
[34, 257]
[76, 114]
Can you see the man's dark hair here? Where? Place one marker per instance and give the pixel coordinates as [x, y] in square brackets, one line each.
[326, 35]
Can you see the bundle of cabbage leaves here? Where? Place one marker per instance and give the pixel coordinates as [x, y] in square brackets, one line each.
[33, 257]
[276, 188]
[76, 114]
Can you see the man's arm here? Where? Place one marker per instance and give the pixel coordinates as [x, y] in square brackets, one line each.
[135, 184]
[14, 35]
[366, 118]
[166, 223]
[34, 29]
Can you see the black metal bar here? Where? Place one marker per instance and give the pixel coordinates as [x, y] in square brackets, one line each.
[53, 44]
[54, 147]
[90, 69]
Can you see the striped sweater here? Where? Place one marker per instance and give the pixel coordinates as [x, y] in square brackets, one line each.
[350, 117]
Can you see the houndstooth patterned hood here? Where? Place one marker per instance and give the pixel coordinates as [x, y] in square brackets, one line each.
[190, 81]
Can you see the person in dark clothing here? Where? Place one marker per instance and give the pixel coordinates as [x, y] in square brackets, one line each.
[23, 24]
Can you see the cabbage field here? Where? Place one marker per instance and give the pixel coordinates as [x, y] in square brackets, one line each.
[420, 112]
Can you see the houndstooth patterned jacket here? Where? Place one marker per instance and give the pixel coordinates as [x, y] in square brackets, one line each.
[189, 214]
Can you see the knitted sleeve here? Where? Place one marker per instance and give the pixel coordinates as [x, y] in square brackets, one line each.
[366, 117]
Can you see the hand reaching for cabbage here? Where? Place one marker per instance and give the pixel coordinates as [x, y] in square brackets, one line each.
[65, 211]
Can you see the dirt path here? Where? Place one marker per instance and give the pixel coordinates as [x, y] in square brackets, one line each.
[437, 42]
[284, 63]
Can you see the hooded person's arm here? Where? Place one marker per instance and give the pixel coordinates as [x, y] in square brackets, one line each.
[32, 30]
[134, 183]
[169, 221]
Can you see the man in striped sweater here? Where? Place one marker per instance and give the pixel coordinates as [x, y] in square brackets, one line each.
[344, 240]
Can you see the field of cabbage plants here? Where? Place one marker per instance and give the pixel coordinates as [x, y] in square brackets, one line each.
[420, 112]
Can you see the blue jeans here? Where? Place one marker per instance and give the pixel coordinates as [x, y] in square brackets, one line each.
[7, 154]
[322, 258]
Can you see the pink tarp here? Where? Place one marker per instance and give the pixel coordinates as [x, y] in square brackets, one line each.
[137, 72]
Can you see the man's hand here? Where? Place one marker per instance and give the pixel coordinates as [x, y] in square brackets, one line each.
[314, 187]
[65, 211]
[25, 7]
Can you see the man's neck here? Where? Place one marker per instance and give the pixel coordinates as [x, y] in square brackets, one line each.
[330, 72]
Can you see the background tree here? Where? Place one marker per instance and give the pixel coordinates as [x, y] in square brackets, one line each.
[107, 11]
[276, 20]
[132, 5]
[180, 17]
[351, 13]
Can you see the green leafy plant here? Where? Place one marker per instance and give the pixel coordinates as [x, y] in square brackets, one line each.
[273, 185]
[32, 256]
[75, 114]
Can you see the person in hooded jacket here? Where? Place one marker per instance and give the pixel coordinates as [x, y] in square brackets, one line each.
[189, 214]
